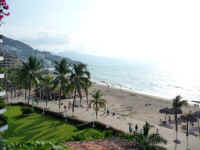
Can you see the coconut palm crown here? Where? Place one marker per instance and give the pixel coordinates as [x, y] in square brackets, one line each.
[147, 141]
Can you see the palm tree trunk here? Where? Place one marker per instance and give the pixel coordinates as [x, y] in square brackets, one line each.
[96, 110]
[86, 93]
[40, 95]
[176, 127]
[199, 127]
[96, 114]
[74, 102]
[25, 94]
[59, 99]
[187, 136]
[75, 97]
[15, 92]
[80, 96]
[47, 99]
[11, 93]
[29, 92]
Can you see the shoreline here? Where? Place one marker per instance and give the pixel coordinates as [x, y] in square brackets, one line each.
[113, 86]
[131, 90]
[129, 103]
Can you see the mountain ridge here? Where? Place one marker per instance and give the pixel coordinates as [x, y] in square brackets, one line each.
[23, 51]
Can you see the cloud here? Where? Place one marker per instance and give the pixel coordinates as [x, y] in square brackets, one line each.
[48, 41]
[122, 28]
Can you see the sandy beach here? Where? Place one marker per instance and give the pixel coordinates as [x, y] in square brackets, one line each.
[136, 105]
[134, 108]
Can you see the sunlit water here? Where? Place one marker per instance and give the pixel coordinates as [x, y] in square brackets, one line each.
[160, 79]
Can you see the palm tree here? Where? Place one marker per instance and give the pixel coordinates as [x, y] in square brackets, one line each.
[31, 69]
[47, 82]
[61, 81]
[147, 141]
[12, 80]
[87, 84]
[187, 129]
[177, 105]
[79, 78]
[98, 102]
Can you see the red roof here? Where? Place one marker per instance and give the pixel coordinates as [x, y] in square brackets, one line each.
[107, 144]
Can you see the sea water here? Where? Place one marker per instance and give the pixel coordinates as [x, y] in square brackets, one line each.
[166, 79]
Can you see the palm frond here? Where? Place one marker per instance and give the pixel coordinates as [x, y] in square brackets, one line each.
[156, 139]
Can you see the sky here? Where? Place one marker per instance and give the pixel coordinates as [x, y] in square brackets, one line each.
[142, 29]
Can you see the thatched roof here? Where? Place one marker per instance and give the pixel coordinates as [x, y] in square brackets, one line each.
[170, 111]
[197, 114]
[190, 118]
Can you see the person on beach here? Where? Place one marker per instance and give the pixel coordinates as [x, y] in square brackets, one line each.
[108, 112]
[65, 108]
[160, 120]
[90, 105]
[113, 114]
[130, 128]
[170, 120]
[157, 131]
[106, 109]
[69, 105]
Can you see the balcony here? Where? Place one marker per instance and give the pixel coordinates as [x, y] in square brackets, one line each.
[1, 58]
[3, 127]
[2, 93]
[2, 110]
[2, 75]
[3, 119]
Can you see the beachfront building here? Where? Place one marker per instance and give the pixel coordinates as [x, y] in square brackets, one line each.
[3, 120]
[7, 60]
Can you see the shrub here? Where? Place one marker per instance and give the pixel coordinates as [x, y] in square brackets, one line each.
[89, 134]
[108, 133]
[35, 145]
[27, 110]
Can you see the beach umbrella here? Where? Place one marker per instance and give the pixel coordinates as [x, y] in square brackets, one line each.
[190, 118]
[164, 110]
[170, 111]
[197, 114]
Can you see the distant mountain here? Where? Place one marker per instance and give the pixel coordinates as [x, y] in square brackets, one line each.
[23, 51]
[90, 59]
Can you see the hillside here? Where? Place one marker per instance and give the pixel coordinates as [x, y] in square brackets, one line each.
[23, 51]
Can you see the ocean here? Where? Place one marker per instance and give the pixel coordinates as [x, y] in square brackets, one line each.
[165, 80]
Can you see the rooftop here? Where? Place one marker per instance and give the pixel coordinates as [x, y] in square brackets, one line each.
[106, 144]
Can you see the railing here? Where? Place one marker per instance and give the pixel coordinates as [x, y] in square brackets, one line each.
[2, 93]
[1, 58]
[4, 127]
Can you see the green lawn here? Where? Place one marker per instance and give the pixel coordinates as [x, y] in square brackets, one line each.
[38, 127]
